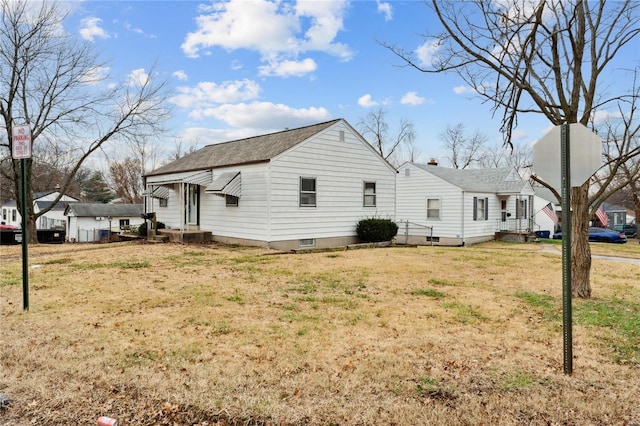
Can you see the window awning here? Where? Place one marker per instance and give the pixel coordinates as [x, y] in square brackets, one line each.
[228, 183]
[161, 192]
[203, 177]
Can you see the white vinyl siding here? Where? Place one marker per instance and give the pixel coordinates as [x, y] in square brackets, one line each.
[340, 168]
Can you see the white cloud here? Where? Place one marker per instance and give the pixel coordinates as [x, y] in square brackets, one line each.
[206, 94]
[604, 116]
[427, 53]
[386, 9]
[288, 68]
[91, 29]
[139, 77]
[265, 115]
[461, 90]
[181, 75]
[367, 102]
[412, 98]
[95, 75]
[207, 136]
[274, 29]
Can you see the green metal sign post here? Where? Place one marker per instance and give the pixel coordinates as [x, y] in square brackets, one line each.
[25, 237]
[567, 324]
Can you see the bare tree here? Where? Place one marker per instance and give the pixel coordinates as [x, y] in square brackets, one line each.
[621, 170]
[462, 150]
[180, 150]
[56, 84]
[518, 156]
[549, 57]
[389, 146]
[126, 176]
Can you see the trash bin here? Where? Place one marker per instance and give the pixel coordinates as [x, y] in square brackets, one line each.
[543, 234]
[104, 235]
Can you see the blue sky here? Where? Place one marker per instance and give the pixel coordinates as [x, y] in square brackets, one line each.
[238, 68]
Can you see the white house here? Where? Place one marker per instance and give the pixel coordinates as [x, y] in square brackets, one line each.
[91, 222]
[439, 205]
[305, 187]
[53, 219]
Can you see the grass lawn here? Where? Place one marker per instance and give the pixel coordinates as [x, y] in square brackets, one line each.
[213, 335]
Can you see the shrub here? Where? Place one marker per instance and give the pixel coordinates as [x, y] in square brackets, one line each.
[375, 230]
[142, 228]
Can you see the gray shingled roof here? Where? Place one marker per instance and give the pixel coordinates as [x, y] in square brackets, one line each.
[500, 180]
[243, 151]
[103, 210]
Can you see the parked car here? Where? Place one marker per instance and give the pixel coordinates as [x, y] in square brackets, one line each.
[600, 235]
[10, 234]
[629, 229]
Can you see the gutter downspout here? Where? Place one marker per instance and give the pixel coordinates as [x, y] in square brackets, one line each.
[462, 219]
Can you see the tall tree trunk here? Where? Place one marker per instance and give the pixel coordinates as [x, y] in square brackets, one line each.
[580, 249]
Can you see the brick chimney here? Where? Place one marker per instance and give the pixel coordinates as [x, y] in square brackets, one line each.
[433, 162]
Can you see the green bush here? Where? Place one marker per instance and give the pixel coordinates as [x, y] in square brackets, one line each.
[142, 228]
[375, 230]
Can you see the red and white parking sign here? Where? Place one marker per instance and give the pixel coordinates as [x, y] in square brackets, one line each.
[21, 142]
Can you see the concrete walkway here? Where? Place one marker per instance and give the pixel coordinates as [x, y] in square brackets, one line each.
[555, 249]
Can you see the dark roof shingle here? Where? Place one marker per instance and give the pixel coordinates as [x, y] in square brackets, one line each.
[255, 149]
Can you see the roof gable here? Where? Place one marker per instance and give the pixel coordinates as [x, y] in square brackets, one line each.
[243, 151]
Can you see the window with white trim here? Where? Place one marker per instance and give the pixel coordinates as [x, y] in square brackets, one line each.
[433, 208]
[307, 192]
[369, 194]
[163, 202]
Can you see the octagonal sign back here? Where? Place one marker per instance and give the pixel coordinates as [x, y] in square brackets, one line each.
[585, 155]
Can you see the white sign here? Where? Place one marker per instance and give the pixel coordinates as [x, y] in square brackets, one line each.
[585, 155]
[21, 142]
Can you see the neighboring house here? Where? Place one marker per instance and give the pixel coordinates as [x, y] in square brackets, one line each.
[53, 219]
[439, 205]
[91, 222]
[305, 187]
[616, 215]
[543, 220]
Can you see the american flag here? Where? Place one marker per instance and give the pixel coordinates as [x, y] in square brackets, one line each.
[548, 209]
[602, 216]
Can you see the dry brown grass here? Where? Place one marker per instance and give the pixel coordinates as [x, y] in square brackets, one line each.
[178, 334]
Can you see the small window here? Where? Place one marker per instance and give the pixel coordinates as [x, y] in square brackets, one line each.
[307, 192]
[164, 202]
[231, 200]
[124, 223]
[14, 215]
[433, 209]
[4, 214]
[480, 208]
[307, 242]
[369, 194]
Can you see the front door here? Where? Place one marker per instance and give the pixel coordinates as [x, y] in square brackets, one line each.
[192, 204]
